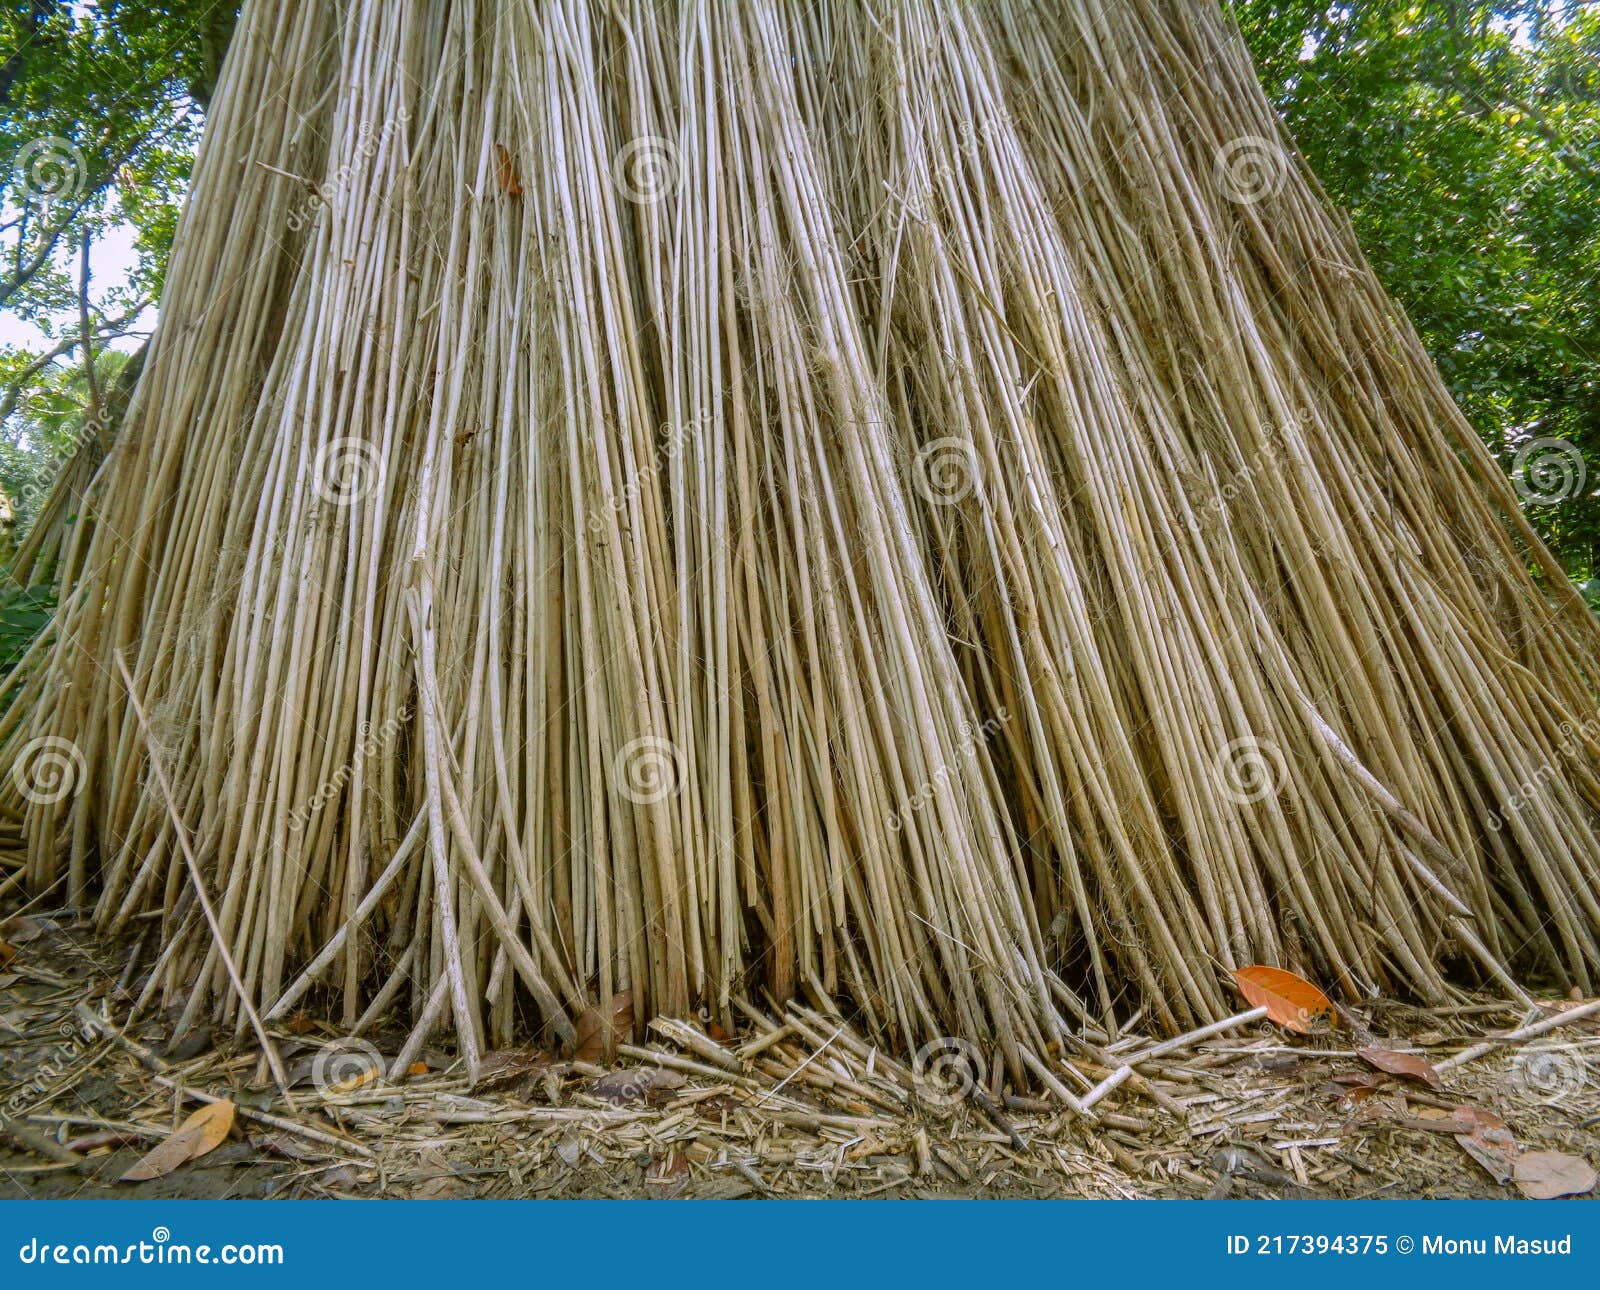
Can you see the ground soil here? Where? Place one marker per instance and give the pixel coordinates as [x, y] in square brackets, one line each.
[1258, 1113]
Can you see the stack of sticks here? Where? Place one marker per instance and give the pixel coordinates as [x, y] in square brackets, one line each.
[919, 498]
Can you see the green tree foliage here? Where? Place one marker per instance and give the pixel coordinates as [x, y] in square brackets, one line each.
[101, 107]
[1463, 140]
[50, 432]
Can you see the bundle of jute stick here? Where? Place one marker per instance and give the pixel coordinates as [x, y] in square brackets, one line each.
[922, 500]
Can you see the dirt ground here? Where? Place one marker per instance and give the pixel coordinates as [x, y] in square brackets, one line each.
[88, 1086]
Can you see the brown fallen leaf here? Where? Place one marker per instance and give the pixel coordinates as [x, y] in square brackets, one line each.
[1474, 1119]
[503, 1067]
[300, 1024]
[1353, 1090]
[506, 171]
[23, 928]
[200, 1133]
[7, 953]
[621, 1088]
[1487, 1138]
[669, 1172]
[1406, 1065]
[599, 1032]
[1290, 1000]
[101, 1140]
[359, 1079]
[188, 1045]
[1544, 1175]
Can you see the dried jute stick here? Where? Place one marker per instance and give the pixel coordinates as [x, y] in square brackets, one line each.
[1520, 1035]
[659, 509]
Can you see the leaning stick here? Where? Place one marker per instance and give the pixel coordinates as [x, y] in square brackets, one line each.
[1396, 811]
[157, 1067]
[280, 1077]
[1533, 1031]
[1051, 1081]
[1126, 1070]
[330, 951]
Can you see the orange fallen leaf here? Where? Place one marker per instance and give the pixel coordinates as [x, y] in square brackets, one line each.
[417, 1068]
[1290, 1000]
[200, 1133]
[1408, 1065]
